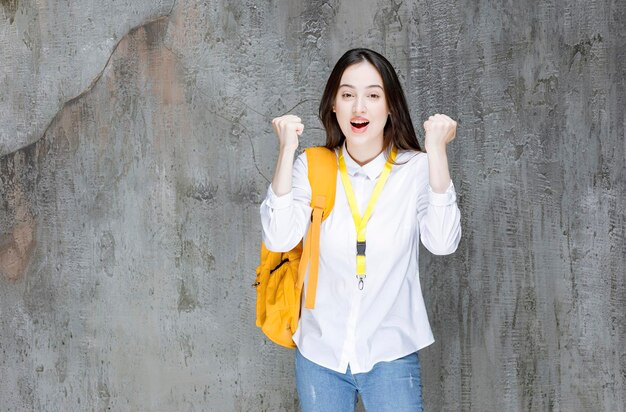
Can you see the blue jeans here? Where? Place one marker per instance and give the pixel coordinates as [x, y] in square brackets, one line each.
[389, 386]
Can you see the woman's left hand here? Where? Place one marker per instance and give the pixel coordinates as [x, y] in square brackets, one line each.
[440, 130]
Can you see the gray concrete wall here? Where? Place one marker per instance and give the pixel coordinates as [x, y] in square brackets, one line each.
[135, 146]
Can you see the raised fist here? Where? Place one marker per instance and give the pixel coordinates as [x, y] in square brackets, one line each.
[440, 130]
[288, 128]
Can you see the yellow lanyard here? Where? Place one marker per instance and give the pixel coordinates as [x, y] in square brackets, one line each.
[360, 222]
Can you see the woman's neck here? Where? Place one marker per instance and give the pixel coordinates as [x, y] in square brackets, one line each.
[363, 154]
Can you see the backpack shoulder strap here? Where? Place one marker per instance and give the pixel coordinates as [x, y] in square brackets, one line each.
[322, 164]
[323, 179]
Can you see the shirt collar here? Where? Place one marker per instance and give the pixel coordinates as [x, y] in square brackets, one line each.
[372, 169]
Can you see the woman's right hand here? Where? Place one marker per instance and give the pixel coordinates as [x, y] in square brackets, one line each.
[288, 128]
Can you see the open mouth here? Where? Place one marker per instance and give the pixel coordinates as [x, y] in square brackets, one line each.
[359, 124]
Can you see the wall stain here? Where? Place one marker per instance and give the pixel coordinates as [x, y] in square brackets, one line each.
[106, 251]
[17, 246]
[583, 49]
[158, 21]
[209, 261]
[26, 391]
[246, 193]
[186, 302]
[202, 192]
[16, 250]
[103, 392]
[10, 8]
[186, 346]
[61, 368]
[388, 18]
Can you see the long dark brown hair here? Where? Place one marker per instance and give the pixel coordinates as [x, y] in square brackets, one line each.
[399, 131]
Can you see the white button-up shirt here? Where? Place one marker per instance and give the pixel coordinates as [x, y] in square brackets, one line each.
[387, 319]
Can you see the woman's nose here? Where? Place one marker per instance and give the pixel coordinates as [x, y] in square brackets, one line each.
[359, 105]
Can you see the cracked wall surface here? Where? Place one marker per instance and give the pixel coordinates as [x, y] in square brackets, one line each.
[51, 52]
[136, 145]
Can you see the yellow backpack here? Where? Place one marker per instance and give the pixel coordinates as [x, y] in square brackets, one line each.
[280, 275]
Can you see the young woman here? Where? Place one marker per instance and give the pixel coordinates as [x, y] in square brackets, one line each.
[369, 319]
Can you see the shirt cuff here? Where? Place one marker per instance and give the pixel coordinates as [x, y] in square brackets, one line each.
[278, 202]
[442, 199]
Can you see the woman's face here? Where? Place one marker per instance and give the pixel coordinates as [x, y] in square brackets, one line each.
[360, 106]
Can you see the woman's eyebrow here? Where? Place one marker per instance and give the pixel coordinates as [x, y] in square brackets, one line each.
[368, 87]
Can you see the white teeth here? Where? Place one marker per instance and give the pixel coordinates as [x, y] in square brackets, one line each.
[360, 122]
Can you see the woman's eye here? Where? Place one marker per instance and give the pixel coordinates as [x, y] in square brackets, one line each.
[374, 96]
[346, 95]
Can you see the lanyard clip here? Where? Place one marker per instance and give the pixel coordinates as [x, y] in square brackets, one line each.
[360, 248]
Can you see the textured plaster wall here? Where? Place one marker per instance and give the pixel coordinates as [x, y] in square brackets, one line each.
[136, 145]
[53, 51]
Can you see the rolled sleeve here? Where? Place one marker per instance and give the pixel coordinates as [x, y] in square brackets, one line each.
[276, 202]
[440, 221]
[442, 199]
